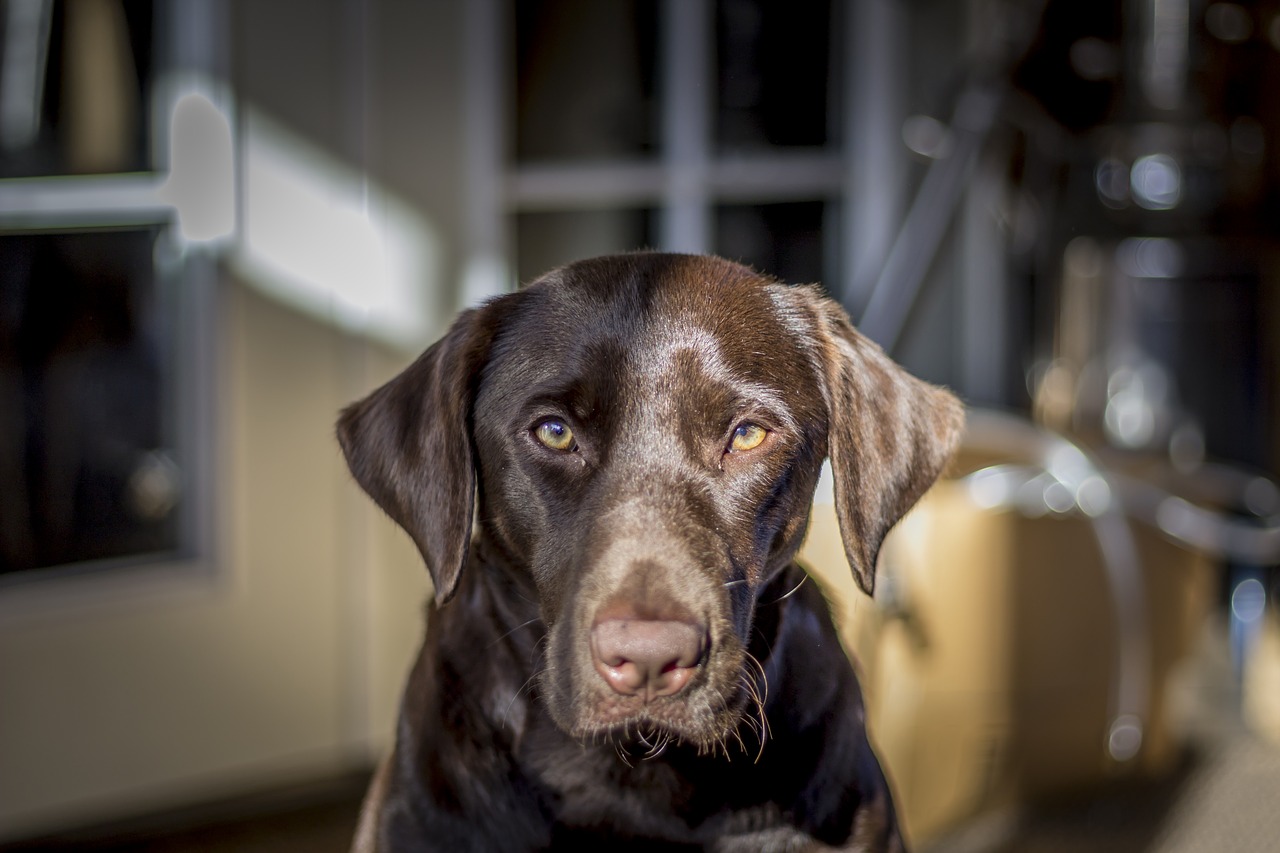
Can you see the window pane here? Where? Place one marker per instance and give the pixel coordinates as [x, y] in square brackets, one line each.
[784, 240]
[585, 79]
[774, 67]
[548, 240]
[74, 83]
[87, 446]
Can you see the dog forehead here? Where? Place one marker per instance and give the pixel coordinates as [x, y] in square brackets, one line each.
[650, 308]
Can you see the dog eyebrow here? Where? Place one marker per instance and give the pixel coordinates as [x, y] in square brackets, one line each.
[743, 395]
[559, 398]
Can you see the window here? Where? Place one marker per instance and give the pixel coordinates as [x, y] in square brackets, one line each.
[74, 79]
[102, 321]
[687, 125]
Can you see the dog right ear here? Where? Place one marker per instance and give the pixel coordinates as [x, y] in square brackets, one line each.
[408, 444]
[890, 437]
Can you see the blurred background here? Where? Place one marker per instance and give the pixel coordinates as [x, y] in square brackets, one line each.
[221, 221]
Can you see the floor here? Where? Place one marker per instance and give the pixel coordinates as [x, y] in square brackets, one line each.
[1223, 796]
[312, 819]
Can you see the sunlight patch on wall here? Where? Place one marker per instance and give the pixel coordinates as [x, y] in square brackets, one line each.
[320, 237]
[201, 180]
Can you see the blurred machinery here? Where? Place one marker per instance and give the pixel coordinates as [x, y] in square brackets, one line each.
[1160, 267]
[1028, 639]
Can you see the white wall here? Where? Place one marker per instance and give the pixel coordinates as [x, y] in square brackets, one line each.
[277, 660]
[278, 656]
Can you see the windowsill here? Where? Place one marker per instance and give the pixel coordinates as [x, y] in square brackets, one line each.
[91, 588]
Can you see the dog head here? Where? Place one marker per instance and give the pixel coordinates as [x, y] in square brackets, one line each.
[645, 433]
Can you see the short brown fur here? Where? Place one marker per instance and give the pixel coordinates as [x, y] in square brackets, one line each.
[515, 733]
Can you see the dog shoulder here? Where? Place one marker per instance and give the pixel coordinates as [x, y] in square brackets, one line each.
[816, 700]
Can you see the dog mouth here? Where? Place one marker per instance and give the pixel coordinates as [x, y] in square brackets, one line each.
[642, 740]
[706, 718]
[648, 733]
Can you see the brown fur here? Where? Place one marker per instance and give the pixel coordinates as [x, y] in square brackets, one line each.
[510, 736]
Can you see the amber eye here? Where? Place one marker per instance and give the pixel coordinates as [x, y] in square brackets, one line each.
[747, 437]
[555, 434]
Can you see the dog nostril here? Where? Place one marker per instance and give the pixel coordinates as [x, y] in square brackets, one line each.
[644, 657]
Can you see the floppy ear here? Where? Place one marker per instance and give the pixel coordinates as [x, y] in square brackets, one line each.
[890, 435]
[408, 444]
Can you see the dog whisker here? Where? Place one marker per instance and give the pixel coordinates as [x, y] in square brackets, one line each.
[758, 692]
[737, 734]
[537, 648]
[660, 746]
[513, 630]
[765, 733]
[527, 683]
[763, 695]
[804, 577]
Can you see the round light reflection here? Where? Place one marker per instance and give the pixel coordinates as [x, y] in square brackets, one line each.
[1248, 600]
[1156, 181]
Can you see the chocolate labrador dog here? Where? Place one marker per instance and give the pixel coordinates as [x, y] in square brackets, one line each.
[625, 653]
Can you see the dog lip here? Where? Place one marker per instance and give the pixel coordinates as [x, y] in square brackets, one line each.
[694, 718]
[619, 718]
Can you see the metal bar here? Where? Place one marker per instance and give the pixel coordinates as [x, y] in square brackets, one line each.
[41, 203]
[983, 293]
[873, 114]
[783, 176]
[574, 186]
[356, 608]
[777, 176]
[486, 272]
[686, 61]
[23, 69]
[927, 221]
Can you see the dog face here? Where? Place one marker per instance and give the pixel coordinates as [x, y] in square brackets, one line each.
[645, 433]
[650, 447]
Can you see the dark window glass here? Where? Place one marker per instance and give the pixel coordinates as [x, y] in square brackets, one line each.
[548, 240]
[784, 240]
[74, 87]
[774, 74]
[88, 461]
[585, 79]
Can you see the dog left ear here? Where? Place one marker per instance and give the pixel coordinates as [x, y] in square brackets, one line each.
[408, 444]
[890, 436]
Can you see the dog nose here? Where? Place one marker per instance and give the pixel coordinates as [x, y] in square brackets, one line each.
[647, 657]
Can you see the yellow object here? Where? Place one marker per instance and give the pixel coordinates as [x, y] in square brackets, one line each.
[988, 666]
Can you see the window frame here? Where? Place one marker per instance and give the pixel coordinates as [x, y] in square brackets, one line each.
[191, 38]
[687, 179]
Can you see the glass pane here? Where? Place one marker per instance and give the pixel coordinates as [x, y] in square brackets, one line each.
[585, 79]
[774, 68]
[784, 240]
[74, 87]
[548, 240]
[87, 451]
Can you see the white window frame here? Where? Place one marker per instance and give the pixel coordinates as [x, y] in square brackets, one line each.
[194, 37]
[688, 178]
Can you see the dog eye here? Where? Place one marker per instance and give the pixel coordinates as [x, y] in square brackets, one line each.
[747, 437]
[555, 434]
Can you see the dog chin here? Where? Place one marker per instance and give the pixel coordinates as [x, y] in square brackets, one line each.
[646, 729]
